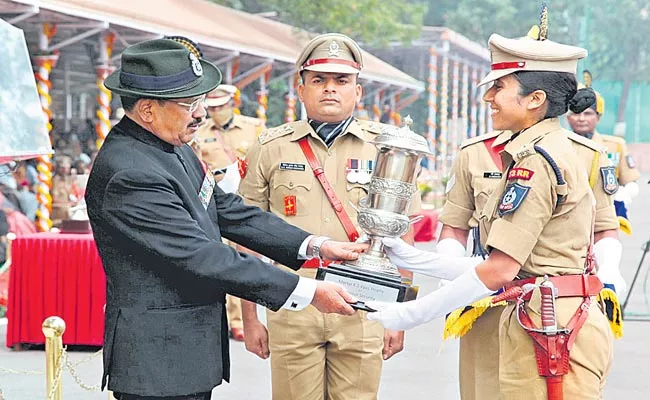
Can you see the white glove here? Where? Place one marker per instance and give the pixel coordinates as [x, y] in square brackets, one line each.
[231, 179]
[608, 252]
[462, 291]
[632, 189]
[449, 247]
[623, 196]
[429, 263]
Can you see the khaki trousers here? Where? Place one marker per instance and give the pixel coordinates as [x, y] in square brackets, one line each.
[233, 310]
[316, 356]
[590, 357]
[479, 358]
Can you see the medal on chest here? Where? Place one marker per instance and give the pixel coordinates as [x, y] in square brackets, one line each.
[207, 187]
[359, 171]
[615, 158]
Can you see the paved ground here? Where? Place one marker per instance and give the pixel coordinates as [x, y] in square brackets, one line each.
[427, 369]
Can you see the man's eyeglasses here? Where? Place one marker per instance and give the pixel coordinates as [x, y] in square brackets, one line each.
[193, 105]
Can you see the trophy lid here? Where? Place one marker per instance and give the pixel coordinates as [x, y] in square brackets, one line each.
[403, 138]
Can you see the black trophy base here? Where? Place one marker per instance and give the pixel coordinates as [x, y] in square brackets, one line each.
[368, 285]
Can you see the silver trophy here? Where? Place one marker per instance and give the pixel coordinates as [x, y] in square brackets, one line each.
[383, 213]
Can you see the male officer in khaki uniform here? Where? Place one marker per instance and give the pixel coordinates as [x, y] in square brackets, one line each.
[524, 226]
[584, 124]
[62, 188]
[317, 356]
[222, 143]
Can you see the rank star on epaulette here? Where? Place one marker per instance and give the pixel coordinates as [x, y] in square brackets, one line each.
[512, 198]
[610, 183]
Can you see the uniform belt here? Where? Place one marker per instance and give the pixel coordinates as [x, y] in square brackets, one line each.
[315, 263]
[566, 285]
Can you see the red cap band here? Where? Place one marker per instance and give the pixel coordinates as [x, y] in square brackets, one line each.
[317, 61]
[509, 65]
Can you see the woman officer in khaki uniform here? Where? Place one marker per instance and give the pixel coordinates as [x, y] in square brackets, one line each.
[538, 222]
[475, 174]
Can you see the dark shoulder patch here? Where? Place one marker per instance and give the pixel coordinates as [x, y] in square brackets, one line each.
[610, 183]
[512, 198]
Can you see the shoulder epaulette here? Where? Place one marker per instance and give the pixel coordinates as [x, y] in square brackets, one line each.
[479, 139]
[372, 126]
[274, 133]
[250, 120]
[611, 138]
[574, 137]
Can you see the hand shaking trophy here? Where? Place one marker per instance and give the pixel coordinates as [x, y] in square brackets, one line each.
[383, 213]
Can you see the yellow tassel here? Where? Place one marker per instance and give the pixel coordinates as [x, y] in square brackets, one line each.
[459, 322]
[624, 225]
[609, 299]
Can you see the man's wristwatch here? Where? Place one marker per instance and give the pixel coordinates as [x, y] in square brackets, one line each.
[316, 245]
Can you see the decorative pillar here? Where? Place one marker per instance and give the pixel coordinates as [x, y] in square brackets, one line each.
[234, 69]
[432, 102]
[263, 97]
[104, 95]
[474, 94]
[45, 62]
[444, 110]
[376, 110]
[290, 100]
[454, 111]
[482, 115]
[487, 117]
[395, 116]
[464, 102]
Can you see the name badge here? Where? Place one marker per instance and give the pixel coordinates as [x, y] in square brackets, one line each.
[207, 188]
[492, 175]
[292, 166]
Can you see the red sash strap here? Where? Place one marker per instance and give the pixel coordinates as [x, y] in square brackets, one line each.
[552, 349]
[566, 285]
[319, 173]
[495, 152]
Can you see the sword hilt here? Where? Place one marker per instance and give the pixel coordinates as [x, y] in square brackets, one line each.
[549, 319]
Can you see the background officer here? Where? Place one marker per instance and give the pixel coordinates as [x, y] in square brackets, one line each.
[584, 124]
[313, 355]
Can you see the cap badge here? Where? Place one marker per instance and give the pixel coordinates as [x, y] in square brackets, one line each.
[334, 49]
[196, 65]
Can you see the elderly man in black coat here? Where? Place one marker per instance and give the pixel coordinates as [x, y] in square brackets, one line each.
[158, 220]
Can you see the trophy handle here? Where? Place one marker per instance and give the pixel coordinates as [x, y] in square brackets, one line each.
[415, 219]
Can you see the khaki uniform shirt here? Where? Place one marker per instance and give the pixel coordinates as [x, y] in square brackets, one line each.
[61, 190]
[475, 176]
[626, 171]
[278, 170]
[544, 238]
[221, 147]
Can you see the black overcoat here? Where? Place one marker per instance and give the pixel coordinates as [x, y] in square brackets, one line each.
[167, 270]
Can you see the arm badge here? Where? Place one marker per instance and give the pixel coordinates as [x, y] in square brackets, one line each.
[610, 183]
[512, 198]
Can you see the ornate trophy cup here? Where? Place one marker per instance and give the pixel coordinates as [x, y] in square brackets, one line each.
[383, 213]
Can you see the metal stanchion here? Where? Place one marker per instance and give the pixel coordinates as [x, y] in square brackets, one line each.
[53, 328]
